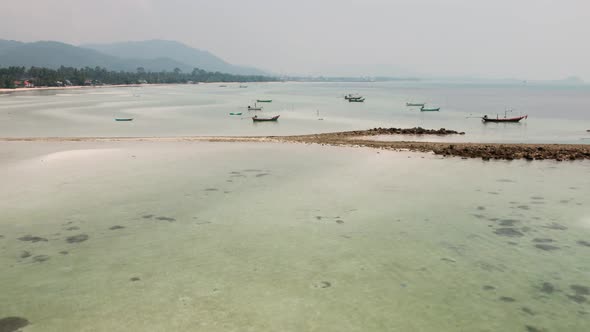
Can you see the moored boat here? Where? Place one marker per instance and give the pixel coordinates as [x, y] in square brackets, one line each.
[351, 96]
[504, 119]
[255, 108]
[123, 119]
[356, 100]
[255, 118]
[416, 104]
[264, 100]
[233, 113]
[423, 109]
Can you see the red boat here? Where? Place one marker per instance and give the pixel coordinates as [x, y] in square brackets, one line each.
[504, 119]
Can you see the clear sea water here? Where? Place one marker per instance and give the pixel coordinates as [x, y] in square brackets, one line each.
[194, 236]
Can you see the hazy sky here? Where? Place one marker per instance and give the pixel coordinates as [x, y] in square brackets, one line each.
[532, 39]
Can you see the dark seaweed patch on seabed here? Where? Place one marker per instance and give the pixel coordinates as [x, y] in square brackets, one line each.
[147, 216]
[12, 324]
[510, 232]
[547, 288]
[508, 222]
[583, 243]
[577, 298]
[580, 290]
[33, 239]
[40, 258]
[77, 238]
[166, 219]
[507, 299]
[530, 328]
[555, 226]
[542, 240]
[546, 247]
[112, 228]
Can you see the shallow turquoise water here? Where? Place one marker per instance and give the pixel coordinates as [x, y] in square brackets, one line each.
[556, 114]
[280, 237]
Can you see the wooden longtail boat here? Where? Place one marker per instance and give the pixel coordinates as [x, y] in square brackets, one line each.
[504, 119]
[255, 108]
[356, 100]
[238, 113]
[415, 104]
[422, 109]
[351, 96]
[264, 100]
[255, 118]
[123, 119]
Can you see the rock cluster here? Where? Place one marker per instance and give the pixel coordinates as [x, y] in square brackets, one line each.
[400, 131]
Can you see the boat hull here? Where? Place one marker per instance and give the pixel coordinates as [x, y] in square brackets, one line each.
[430, 109]
[264, 100]
[517, 119]
[124, 119]
[257, 119]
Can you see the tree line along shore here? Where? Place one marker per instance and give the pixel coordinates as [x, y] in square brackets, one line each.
[22, 77]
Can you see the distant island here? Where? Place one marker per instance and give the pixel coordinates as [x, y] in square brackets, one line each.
[22, 77]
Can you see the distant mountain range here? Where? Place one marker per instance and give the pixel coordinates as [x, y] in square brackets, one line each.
[152, 55]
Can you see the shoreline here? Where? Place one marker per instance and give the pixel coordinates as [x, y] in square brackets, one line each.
[484, 151]
[73, 87]
[77, 87]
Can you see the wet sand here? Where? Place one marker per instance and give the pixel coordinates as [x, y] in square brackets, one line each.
[362, 138]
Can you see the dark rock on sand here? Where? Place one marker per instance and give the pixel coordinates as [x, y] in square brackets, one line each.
[77, 238]
[12, 324]
[33, 239]
[510, 232]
